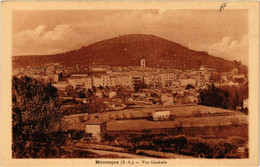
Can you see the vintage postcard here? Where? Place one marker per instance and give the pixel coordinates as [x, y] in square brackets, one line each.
[129, 83]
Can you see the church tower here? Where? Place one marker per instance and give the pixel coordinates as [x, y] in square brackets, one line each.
[142, 63]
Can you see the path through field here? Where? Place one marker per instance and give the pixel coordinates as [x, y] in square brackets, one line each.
[102, 152]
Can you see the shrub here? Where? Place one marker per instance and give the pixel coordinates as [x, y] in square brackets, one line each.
[124, 116]
[108, 137]
[132, 116]
[77, 135]
[196, 113]
[110, 117]
[149, 113]
[198, 146]
[179, 142]
[117, 117]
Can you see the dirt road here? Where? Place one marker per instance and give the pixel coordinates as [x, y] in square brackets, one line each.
[102, 152]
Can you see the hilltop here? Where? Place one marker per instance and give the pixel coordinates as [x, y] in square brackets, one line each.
[127, 50]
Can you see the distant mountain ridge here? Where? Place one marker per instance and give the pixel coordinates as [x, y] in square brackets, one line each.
[127, 50]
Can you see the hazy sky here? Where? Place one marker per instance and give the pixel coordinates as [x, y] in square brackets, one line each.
[223, 34]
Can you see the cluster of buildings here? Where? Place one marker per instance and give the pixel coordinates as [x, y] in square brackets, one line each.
[169, 84]
[232, 78]
[105, 76]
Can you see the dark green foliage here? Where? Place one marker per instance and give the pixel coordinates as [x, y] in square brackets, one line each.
[70, 91]
[199, 146]
[179, 143]
[223, 97]
[139, 86]
[214, 97]
[81, 94]
[108, 137]
[89, 93]
[96, 105]
[35, 118]
[123, 93]
[189, 86]
[236, 94]
[76, 134]
[94, 89]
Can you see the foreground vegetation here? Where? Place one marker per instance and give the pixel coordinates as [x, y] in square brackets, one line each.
[35, 119]
[199, 146]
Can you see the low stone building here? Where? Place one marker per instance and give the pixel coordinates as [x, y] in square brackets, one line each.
[96, 127]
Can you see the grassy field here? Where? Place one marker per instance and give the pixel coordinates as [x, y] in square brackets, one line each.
[186, 122]
[189, 116]
[177, 111]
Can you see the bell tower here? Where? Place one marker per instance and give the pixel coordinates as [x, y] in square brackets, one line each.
[142, 63]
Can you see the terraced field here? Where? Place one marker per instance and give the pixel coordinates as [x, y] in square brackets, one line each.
[185, 122]
[187, 116]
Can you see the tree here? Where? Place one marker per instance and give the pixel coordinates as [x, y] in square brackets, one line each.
[236, 95]
[96, 105]
[139, 86]
[235, 101]
[239, 80]
[70, 91]
[189, 86]
[109, 137]
[89, 93]
[149, 139]
[134, 139]
[81, 94]
[153, 94]
[215, 97]
[35, 118]
[94, 89]
[215, 77]
[180, 142]
[123, 93]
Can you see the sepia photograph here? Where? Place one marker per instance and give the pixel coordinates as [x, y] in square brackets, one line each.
[126, 86]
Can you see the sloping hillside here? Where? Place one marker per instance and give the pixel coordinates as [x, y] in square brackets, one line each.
[127, 50]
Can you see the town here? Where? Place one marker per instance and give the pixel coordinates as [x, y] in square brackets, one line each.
[108, 103]
[139, 86]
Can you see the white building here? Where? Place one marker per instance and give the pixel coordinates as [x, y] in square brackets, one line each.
[167, 79]
[152, 79]
[161, 115]
[80, 79]
[105, 80]
[113, 80]
[97, 81]
[112, 94]
[245, 103]
[126, 81]
[87, 81]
